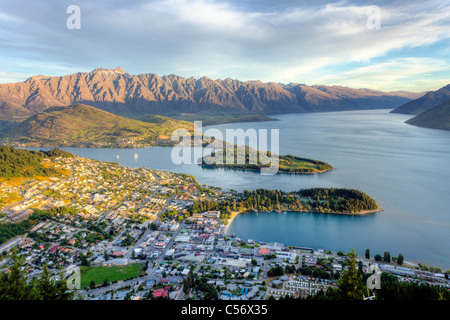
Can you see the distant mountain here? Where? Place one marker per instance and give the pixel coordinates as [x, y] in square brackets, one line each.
[86, 126]
[435, 118]
[120, 93]
[426, 102]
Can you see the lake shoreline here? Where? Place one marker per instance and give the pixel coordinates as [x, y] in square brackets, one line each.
[359, 213]
[216, 167]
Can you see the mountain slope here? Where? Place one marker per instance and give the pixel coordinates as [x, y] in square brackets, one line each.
[435, 118]
[85, 126]
[26, 163]
[120, 93]
[426, 102]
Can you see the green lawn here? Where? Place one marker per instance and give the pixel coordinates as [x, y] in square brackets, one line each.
[99, 274]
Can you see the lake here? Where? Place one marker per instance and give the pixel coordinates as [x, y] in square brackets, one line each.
[404, 168]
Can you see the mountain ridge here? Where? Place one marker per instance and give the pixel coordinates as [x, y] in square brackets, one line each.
[118, 92]
[428, 101]
[434, 118]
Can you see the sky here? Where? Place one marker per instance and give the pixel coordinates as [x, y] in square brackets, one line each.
[383, 45]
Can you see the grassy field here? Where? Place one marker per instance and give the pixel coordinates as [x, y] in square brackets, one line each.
[116, 273]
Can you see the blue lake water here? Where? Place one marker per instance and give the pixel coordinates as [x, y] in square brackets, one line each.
[404, 168]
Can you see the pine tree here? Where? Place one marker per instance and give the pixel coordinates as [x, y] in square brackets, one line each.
[350, 285]
[15, 285]
[400, 259]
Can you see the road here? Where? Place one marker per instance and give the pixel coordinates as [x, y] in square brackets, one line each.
[148, 231]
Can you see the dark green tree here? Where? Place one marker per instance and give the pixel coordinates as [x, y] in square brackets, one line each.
[350, 285]
[400, 259]
[53, 289]
[15, 285]
[387, 257]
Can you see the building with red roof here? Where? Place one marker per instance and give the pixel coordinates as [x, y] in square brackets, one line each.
[161, 293]
[263, 251]
[53, 249]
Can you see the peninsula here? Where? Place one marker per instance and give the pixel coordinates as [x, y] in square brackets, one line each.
[287, 163]
[315, 200]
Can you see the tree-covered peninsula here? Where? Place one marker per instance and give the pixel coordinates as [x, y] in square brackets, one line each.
[286, 163]
[319, 200]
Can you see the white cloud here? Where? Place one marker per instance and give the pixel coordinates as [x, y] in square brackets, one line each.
[395, 74]
[289, 42]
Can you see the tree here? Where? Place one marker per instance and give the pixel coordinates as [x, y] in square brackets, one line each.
[400, 259]
[367, 254]
[153, 226]
[350, 285]
[188, 282]
[84, 260]
[14, 285]
[276, 271]
[106, 255]
[52, 289]
[378, 257]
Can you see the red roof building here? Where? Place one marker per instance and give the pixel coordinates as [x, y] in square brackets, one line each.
[263, 251]
[161, 293]
[53, 249]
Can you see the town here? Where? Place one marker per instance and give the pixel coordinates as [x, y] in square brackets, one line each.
[132, 235]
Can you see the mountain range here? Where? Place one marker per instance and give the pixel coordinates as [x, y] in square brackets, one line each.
[429, 100]
[435, 118]
[120, 93]
[432, 110]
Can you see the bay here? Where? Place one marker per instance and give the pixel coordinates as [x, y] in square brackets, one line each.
[404, 168]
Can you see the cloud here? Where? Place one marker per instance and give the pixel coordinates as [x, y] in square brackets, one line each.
[394, 74]
[281, 41]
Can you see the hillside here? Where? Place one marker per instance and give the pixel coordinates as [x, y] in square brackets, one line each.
[426, 102]
[120, 93]
[24, 163]
[85, 126]
[435, 118]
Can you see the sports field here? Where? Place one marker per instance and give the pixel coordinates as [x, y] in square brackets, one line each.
[114, 273]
